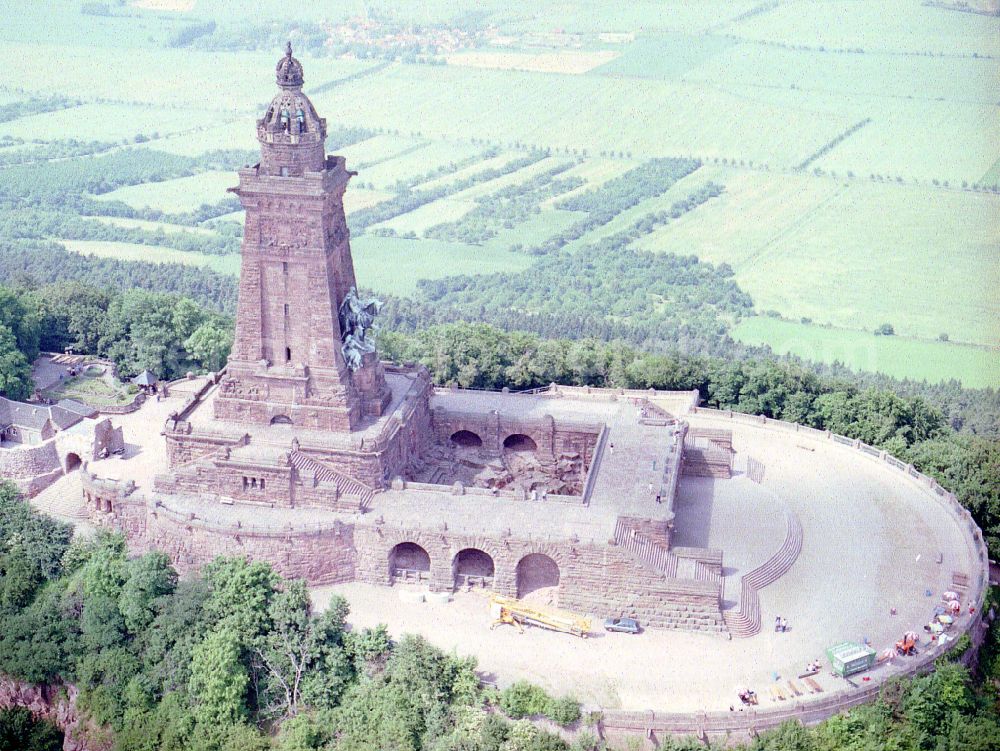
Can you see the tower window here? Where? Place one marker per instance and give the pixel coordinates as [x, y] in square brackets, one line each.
[284, 267]
[286, 310]
[284, 171]
[288, 354]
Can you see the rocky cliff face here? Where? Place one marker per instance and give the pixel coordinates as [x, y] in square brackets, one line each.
[56, 704]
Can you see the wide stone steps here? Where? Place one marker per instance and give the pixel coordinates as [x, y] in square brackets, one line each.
[63, 499]
[745, 621]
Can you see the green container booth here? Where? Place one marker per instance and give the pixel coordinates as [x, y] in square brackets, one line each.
[848, 658]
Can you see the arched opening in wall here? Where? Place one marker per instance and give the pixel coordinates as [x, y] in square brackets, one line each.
[466, 439]
[473, 568]
[519, 442]
[409, 562]
[72, 462]
[281, 420]
[538, 578]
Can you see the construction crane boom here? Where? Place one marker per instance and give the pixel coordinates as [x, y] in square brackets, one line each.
[507, 610]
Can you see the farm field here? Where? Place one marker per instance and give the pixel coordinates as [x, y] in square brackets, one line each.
[763, 94]
[569, 62]
[177, 195]
[102, 122]
[229, 264]
[356, 199]
[418, 162]
[665, 118]
[167, 227]
[162, 77]
[855, 254]
[394, 266]
[494, 162]
[900, 357]
[378, 149]
[435, 212]
[891, 25]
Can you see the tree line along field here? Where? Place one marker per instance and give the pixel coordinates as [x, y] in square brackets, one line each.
[856, 146]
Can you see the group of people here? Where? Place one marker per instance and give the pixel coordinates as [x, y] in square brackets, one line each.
[780, 624]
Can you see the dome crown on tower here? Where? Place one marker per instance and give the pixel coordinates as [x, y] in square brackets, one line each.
[291, 133]
[289, 70]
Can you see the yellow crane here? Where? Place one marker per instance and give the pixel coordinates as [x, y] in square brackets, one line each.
[507, 610]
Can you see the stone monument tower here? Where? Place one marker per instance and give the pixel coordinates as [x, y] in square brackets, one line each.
[303, 352]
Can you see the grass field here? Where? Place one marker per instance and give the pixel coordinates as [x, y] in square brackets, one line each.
[385, 264]
[436, 212]
[900, 357]
[356, 199]
[889, 25]
[644, 116]
[854, 255]
[419, 162]
[102, 122]
[377, 149]
[165, 227]
[393, 266]
[666, 55]
[229, 264]
[177, 195]
[571, 62]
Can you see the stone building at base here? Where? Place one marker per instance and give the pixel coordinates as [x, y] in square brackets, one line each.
[309, 452]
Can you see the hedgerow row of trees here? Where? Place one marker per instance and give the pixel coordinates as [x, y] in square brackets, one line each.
[506, 208]
[408, 200]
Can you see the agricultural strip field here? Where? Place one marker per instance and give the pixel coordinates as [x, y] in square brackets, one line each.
[377, 149]
[166, 227]
[384, 264]
[565, 61]
[645, 116]
[228, 264]
[594, 171]
[888, 25]
[435, 212]
[393, 266]
[896, 356]
[490, 163]
[419, 162]
[853, 254]
[163, 77]
[663, 202]
[177, 195]
[102, 122]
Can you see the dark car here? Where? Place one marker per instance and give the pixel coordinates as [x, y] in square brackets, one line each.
[623, 625]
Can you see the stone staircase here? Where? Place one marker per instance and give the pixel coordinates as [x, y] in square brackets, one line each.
[346, 486]
[647, 552]
[745, 621]
[63, 499]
